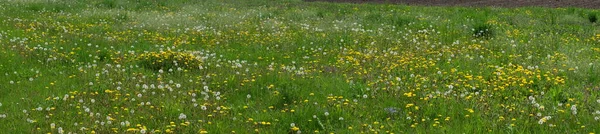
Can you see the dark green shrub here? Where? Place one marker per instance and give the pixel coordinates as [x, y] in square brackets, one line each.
[592, 17]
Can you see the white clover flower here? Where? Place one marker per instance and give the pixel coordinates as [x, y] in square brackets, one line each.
[326, 113]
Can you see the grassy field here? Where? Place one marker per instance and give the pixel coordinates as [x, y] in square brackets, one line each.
[287, 66]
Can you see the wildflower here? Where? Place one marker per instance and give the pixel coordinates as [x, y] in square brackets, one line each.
[544, 119]
[326, 113]
[182, 116]
[470, 110]
[295, 128]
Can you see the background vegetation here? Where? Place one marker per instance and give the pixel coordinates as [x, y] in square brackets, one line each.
[287, 66]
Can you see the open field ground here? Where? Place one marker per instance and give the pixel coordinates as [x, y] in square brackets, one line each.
[478, 3]
[288, 66]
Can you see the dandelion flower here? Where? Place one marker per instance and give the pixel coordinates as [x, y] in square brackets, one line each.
[60, 130]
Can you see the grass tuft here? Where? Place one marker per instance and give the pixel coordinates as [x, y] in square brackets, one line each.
[483, 30]
[592, 17]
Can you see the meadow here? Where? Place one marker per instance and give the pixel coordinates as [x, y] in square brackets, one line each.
[288, 66]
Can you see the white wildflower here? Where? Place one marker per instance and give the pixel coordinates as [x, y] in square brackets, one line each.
[182, 116]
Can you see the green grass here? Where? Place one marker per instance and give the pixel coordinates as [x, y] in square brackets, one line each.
[287, 66]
